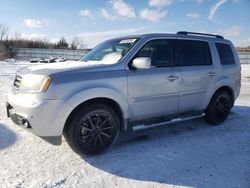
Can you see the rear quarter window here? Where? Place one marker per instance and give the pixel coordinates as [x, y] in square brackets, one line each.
[225, 53]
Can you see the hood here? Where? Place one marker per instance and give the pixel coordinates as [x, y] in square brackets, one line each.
[52, 68]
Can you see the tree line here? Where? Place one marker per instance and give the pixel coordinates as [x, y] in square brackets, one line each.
[9, 40]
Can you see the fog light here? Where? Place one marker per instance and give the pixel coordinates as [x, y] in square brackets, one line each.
[25, 123]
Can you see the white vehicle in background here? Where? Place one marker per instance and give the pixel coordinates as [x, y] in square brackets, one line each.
[47, 60]
[12, 60]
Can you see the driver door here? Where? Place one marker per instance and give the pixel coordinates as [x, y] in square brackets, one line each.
[155, 91]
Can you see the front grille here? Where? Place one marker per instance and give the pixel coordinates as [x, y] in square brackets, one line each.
[17, 82]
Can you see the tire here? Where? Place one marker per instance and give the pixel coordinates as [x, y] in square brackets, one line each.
[93, 129]
[219, 107]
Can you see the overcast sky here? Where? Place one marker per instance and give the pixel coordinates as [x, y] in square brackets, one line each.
[97, 20]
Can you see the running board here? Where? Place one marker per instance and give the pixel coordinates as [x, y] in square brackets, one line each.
[175, 120]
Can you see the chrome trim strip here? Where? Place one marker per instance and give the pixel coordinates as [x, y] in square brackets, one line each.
[185, 93]
[153, 97]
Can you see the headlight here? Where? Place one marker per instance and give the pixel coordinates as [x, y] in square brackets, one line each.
[34, 83]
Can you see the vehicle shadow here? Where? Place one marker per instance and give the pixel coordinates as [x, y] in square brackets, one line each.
[7, 137]
[191, 153]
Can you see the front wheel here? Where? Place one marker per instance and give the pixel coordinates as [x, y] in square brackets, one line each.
[219, 107]
[93, 129]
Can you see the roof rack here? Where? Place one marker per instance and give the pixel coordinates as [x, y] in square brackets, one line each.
[202, 34]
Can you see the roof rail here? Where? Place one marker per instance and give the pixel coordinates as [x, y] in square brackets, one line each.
[202, 34]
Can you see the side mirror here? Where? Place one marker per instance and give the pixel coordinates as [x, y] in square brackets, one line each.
[141, 63]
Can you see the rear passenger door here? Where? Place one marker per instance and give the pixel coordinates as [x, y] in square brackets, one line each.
[197, 73]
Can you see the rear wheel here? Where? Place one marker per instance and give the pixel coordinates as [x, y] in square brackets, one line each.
[219, 107]
[93, 129]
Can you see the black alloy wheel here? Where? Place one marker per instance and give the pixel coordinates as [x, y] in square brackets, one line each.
[219, 107]
[93, 129]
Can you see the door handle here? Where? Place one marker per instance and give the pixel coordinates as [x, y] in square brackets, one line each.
[211, 74]
[172, 78]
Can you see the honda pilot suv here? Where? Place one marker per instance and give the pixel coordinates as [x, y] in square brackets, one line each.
[128, 83]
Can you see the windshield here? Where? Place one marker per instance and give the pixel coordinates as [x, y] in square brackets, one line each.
[109, 52]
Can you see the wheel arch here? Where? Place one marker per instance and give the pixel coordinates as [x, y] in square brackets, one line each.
[99, 100]
[225, 88]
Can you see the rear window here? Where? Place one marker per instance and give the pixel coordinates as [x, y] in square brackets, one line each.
[193, 53]
[225, 53]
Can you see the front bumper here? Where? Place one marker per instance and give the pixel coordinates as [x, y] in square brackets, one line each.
[44, 118]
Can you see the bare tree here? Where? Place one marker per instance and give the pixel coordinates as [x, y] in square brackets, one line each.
[73, 45]
[16, 36]
[4, 31]
[77, 43]
[62, 44]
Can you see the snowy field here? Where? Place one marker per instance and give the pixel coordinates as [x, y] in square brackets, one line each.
[188, 154]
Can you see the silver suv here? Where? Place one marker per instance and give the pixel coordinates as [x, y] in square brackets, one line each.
[128, 83]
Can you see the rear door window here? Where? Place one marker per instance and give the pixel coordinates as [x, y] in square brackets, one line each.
[193, 53]
[225, 54]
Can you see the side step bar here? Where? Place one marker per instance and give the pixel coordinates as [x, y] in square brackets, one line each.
[175, 120]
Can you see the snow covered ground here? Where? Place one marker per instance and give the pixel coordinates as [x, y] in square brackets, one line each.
[189, 154]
